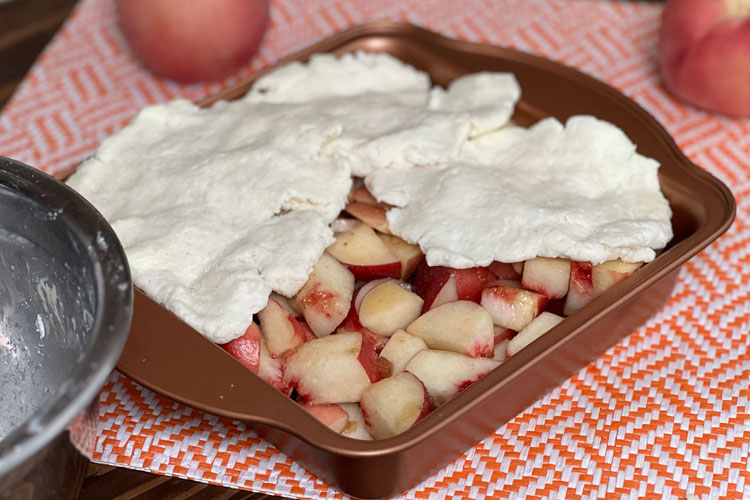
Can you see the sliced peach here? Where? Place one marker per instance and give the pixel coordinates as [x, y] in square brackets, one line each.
[446, 373]
[287, 304]
[409, 254]
[606, 275]
[246, 349]
[331, 415]
[269, 369]
[389, 307]
[393, 405]
[366, 256]
[501, 350]
[461, 326]
[332, 369]
[550, 277]
[401, 347]
[355, 429]
[539, 326]
[361, 194]
[281, 330]
[372, 215]
[326, 297]
[502, 334]
[435, 284]
[505, 270]
[343, 224]
[439, 284]
[470, 282]
[511, 307]
[581, 289]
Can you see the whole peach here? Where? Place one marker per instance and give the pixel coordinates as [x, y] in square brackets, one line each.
[193, 40]
[704, 48]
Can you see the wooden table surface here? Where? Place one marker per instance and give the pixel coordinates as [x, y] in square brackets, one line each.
[26, 26]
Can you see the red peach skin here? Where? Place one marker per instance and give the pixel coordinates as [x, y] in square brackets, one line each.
[332, 369]
[326, 297]
[395, 404]
[193, 40]
[445, 373]
[246, 349]
[440, 284]
[704, 47]
[366, 256]
[461, 326]
[331, 415]
[281, 331]
[581, 290]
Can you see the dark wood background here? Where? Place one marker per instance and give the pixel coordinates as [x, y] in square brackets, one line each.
[26, 26]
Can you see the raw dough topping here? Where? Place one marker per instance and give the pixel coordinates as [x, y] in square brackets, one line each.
[393, 120]
[218, 207]
[215, 209]
[578, 191]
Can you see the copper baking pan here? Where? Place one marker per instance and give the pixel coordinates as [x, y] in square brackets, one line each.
[170, 358]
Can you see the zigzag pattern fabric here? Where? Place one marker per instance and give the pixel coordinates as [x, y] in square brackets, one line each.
[663, 414]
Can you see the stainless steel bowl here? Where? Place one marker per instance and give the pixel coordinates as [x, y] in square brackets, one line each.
[65, 307]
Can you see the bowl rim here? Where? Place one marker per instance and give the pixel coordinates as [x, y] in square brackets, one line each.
[111, 319]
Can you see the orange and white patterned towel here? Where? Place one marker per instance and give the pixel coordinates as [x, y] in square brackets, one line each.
[663, 414]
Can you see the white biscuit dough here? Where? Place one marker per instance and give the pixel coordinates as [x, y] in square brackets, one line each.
[578, 191]
[218, 207]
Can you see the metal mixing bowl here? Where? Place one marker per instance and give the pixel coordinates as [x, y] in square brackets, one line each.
[65, 307]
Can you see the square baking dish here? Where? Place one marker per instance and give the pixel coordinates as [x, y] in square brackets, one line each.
[168, 357]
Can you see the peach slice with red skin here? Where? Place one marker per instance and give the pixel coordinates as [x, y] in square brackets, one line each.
[604, 276]
[372, 215]
[343, 224]
[440, 284]
[364, 254]
[550, 277]
[356, 428]
[410, 255]
[332, 369]
[388, 307]
[581, 289]
[502, 334]
[462, 326]
[309, 334]
[362, 195]
[270, 369]
[246, 349]
[250, 350]
[395, 404]
[446, 373]
[538, 327]
[512, 307]
[501, 350]
[330, 415]
[504, 282]
[286, 303]
[506, 270]
[352, 324]
[436, 285]
[470, 282]
[281, 331]
[326, 297]
[401, 347]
